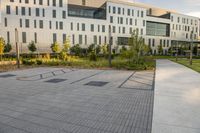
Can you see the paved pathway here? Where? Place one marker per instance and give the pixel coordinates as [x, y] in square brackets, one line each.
[55, 100]
[177, 99]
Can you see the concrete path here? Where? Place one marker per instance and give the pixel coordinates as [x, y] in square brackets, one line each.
[177, 99]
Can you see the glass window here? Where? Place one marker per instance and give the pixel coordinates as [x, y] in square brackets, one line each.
[23, 37]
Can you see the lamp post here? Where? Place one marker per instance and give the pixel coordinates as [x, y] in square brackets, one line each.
[17, 48]
[110, 52]
[176, 51]
[191, 48]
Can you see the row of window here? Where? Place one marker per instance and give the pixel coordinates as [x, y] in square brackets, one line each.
[121, 11]
[38, 12]
[129, 21]
[185, 21]
[163, 43]
[41, 2]
[184, 28]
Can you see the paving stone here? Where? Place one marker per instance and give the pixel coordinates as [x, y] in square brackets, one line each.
[97, 83]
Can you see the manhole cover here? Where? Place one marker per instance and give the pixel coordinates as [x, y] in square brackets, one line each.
[7, 75]
[97, 83]
[55, 80]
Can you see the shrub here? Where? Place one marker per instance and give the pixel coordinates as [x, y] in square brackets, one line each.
[55, 47]
[8, 48]
[63, 55]
[32, 46]
[28, 62]
[39, 62]
[76, 49]
[93, 56]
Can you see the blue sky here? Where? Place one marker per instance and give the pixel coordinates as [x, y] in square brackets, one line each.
[190, 7]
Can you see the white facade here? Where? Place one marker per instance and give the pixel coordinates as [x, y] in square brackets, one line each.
[45, 28]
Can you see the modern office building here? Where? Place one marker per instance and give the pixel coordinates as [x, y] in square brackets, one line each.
[88, 22]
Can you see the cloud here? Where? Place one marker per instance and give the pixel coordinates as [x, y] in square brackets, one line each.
[195, 14]
[193, 2]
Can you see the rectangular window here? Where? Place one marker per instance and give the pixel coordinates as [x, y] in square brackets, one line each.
[54, 2]
[23, 37]
[61, 3]
[92, 27]
[64, 14]
[114, 10]
[5, 22]
[41, 24]
[43, 12]
[64, 38]
[50, 25]
[54, 13]
[17, 12]
[20, 22]
[54, 37]
[61, 25]
[71, 26]
[27, 23]
[26, 1]
[37, 12]
[40, 2]
[23, 11]
[95, 39]
[8, 11]
[111, 19]
[77, 26]
[103, 28]
[85, 39]
[8, 37]
[80, 39]
[35, 37]
[29, 11]
[35, 24]
[83, 27]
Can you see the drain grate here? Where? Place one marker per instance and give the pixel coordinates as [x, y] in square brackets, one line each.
[7, 75]
[97, 83]
[55, 80]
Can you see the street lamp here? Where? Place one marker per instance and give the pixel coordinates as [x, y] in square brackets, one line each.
[191, 48]
[110, 52]
[17, 48]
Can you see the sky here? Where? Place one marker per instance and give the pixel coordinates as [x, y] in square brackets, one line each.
[189, 7]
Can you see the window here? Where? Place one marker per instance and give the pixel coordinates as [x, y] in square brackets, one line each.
[64, 14]
[8, 9]
[17, 12]
[5, 22]
[103, 28]
[114, 10]
[54, 13]
[61, 3]
[129, 12]
[95, 39]
[35, 37]
[54, 2]
[35, 24]
[99, 40]
[54, 37]
[29, 11]
[92, 27]
[83, 2]
[37, 12]
[71, 26]
[80, 39]
[23, 37]
[27, 23]
[144, 23]
[23, 11]
[64, 38]
[61, 25]
[119, 10]
[41, 24]
[83, 27]
[26, 1]
[50, 25]
[77, 26]
[142, 14]
[11, 0]
[111, 19]
[20, 22]
[85, 39]
[8, 37]
[48, 2]
[43, 12]
[40, 2]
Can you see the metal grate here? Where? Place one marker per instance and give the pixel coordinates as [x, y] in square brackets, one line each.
[97, 83]
[7, 75]
[55, 80]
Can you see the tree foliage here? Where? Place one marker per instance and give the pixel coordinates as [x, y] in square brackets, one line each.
[137, 47]
[55, 47]
[32, 47]
[160, 49]
[2, 46]
[8, 48]
[66, 45]
[104, 49]
[76, 49]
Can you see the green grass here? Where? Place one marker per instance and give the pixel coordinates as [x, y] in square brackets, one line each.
[195, 66]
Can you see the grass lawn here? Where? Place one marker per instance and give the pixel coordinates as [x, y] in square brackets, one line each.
[185, 62]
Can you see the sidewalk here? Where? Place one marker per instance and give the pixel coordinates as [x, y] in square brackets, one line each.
[176, 100]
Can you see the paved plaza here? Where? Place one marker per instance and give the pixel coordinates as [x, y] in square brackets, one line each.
[58, 100]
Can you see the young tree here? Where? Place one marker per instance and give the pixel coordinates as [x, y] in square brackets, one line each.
[137, 46]
[66, 45]
[55, 47]
[2, 46]
[76, 49]
[32, 47]
[8, 48]
[104, 49]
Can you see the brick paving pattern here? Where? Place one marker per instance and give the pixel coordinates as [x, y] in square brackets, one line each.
[41, 107]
